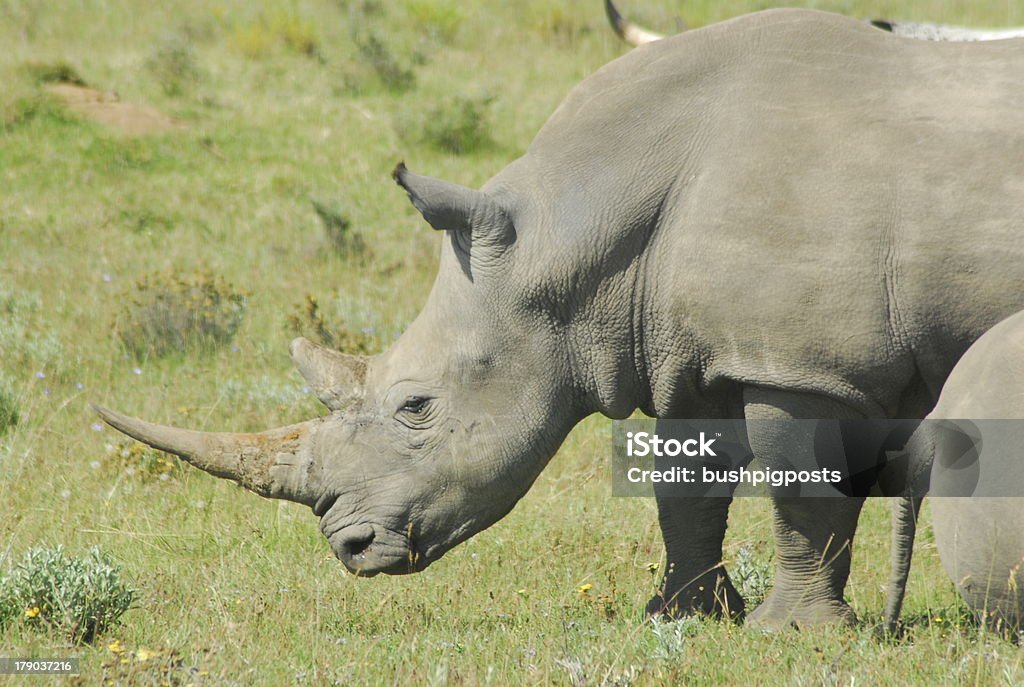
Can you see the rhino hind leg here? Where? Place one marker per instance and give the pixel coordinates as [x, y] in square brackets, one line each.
[813, 538]
[813, 535]
[695, 580]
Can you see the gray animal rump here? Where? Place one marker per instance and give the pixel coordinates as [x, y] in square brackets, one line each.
[980, 540]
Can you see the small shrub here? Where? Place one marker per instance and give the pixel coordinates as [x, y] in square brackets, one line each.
[9, 416]
[173, 64]
[460, 125]
[440, 19]
[119, 154]
[296, 33]
[307, 320]
[145, 219]
[672, 636]
[78, 598]
[34, 107]
[392, 74]
[53, 72]
[252, 40]
[175, 313]
[261, 37]
[556, 23]
[163, 667]
[753, 576]
[26, 335]
[371, 7]
[135, 459]
[338, 229]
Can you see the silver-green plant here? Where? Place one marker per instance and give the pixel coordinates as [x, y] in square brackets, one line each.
[76, 597]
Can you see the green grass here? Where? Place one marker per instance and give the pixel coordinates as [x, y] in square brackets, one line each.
[245, 591]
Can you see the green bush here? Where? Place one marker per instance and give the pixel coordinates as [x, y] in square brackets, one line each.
[26, 338]
[459, 125]
[261, 38]
[440, 19]
[53, 72]
[308, 320]
[173, 64]
[752, 575]
[33, 107]
[79, 598]
[338, 229]
[134, 459]
[177, 313]
[9, 416]
[553, 22]
[375, 54]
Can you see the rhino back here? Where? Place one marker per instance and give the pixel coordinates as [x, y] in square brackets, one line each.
[812, 204]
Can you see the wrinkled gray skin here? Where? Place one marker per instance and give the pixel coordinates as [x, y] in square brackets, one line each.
[637, 35]
[789, 214]
[980, 539]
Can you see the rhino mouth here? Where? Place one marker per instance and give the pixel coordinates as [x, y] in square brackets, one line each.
[367, 550]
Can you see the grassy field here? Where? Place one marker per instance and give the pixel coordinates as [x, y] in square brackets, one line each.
[264, 185]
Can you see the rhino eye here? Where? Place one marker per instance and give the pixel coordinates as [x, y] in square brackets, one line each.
[415, 405]
[417, 412]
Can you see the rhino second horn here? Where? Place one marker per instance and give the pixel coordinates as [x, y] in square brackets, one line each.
[336, 378]
[627, 30]
[271, 464]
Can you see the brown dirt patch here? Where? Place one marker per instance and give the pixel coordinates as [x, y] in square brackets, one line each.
[105, 107]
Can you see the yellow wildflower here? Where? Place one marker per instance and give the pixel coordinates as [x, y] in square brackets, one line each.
[116, 646]
[652, 567]
[32, 612]
[584, 588]
[144, 654]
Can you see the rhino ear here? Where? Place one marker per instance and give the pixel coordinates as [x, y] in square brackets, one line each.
[446, 206]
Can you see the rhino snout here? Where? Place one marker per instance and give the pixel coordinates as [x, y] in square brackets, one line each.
[366, 550]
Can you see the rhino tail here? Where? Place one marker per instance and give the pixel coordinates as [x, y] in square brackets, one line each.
[904, 529]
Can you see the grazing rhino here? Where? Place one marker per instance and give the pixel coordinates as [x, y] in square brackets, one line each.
[789, 214]
[980, 539]
[637, 35]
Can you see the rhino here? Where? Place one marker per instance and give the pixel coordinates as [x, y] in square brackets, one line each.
[637, 35]
[743, 221]
[980, 539]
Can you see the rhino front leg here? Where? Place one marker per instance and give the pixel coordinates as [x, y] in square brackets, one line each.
[695, 579]
[813, 536]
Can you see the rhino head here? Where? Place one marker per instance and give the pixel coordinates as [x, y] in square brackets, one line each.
[430, 441]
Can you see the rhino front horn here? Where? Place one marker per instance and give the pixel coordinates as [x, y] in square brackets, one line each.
[275, 464]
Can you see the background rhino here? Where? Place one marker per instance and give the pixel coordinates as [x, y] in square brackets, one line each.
[980, 539]
[741, 221]
[637, 35]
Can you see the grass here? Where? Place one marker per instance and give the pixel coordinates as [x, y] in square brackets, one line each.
[239, 590]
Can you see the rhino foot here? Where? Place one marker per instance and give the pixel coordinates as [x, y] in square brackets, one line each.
[777, 613]
[711, 595]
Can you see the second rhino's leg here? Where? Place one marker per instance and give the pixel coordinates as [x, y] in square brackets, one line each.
[813, 536]
[695, 579]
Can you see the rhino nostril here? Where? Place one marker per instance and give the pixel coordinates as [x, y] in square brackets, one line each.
[357, 544]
